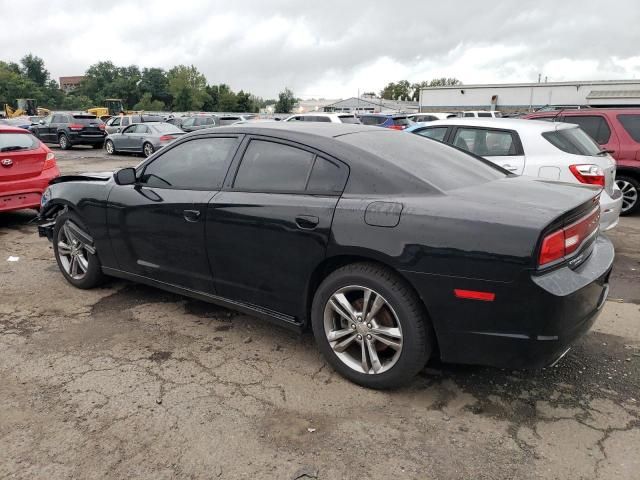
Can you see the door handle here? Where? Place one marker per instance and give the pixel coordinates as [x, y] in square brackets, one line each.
[307, 222]
[191, 215]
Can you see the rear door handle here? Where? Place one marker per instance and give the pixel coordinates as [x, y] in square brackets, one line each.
[307, 222]
[191, 215]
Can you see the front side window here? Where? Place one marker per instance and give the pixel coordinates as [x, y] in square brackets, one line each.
[437, 133]
[268, 166]
[595, 126]
[199, 164]
[572, 140]
[631, 123]
[115, 122]
[486, 143]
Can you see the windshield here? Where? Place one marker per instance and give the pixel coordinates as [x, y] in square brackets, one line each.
[437, 164]
[573, 141]
[17, 141]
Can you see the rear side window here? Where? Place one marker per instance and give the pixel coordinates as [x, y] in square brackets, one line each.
[83, 120]
[469, 114]
[437, 133]
[484, 114]
[199, 164]
[486, 143]
[572, 140]
[125, 121]
[327, 177]
[631, 124]
[317, 118]
[595, 126]
[10, 142]
[268, 166]
[371, 120]
[60, 119]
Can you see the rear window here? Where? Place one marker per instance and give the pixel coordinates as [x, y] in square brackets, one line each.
[595, 126]
[348, 119]
[402, 121]
[229, 120]
[86, 120]
[17, 141]
[631, 124]
[166, 128]
[573, 140]
[371, 120]
[437, 164]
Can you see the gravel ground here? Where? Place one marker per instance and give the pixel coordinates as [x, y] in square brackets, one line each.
[127, 381]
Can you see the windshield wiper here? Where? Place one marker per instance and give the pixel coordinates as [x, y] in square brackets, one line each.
[604, 152]
[12, 148]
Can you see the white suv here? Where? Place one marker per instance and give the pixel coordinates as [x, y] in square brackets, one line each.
[553, 151]
[324, 117]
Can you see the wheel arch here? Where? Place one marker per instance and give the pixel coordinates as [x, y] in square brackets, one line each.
[331, 264]
[628, 171]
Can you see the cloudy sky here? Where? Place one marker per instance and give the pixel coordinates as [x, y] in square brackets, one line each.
[332, 48]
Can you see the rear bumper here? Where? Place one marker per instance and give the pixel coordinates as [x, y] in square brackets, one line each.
[531, 322]
[81, 139]
[26, 193]
[610, 208]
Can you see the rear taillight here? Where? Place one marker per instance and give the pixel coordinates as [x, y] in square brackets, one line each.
[76, 126]
[396, 127]
[589, 174]
[101, 126]
[166, 138]
[567, 240]
[49, 161]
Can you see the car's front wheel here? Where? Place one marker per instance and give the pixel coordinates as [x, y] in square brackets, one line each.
[630, 188]
[76, 256]
[108, 146]
[371, 326]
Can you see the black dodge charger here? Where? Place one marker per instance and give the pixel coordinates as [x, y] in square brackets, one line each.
[391, 247]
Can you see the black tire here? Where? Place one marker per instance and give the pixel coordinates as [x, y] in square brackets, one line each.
[147, 149]
[93, 275]
[109, 147]
[64, 142]
[97, 145]
[630, 187]
[417, 341]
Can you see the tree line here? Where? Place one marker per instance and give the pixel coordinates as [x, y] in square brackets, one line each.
[404, 90]
[181, 88]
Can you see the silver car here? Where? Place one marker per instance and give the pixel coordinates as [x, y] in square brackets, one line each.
[143, 138]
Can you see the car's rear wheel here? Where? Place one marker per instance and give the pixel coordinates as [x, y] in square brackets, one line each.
[64, 142]
[77, 259]
[370, 326]
[108, 146]
[630, 188]
[147, 149]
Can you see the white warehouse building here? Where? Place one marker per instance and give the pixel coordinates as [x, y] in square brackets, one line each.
[530, 96]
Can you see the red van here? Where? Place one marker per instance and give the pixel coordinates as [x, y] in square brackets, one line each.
[616, 130]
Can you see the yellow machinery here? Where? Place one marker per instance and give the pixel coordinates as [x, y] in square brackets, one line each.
[112, 106]
[26, 106]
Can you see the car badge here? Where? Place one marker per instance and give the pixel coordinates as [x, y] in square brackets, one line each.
[6, 162]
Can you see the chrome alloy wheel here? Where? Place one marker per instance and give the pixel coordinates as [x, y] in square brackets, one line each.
[109, 147]
[72, 252]
[363, 329]
[147, 149]
[629, 194]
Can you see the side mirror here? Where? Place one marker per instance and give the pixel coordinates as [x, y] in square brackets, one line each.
[41, 122]
[125, 176]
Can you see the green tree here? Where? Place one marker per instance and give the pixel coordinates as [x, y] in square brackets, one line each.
[397, 91]
[148, 103]
[33, 69]
[188, 87]
[436, 82]
[286, 101]
[155, 82]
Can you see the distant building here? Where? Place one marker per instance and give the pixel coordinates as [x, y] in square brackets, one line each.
[512, 97]
[69, 84]
[371, 105]
[312, 105]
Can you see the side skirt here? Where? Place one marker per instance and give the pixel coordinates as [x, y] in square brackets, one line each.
[277, 318]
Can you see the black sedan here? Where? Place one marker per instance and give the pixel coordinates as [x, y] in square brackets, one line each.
[391, 247]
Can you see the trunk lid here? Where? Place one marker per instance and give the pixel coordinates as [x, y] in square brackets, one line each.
[21, 156]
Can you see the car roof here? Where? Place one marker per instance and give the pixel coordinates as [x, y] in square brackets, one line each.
[316, 129]
[506, 123]
[585, 111]
[11, 129]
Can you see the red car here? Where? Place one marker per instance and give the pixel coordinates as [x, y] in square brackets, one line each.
[26, 167]
[616, 130]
